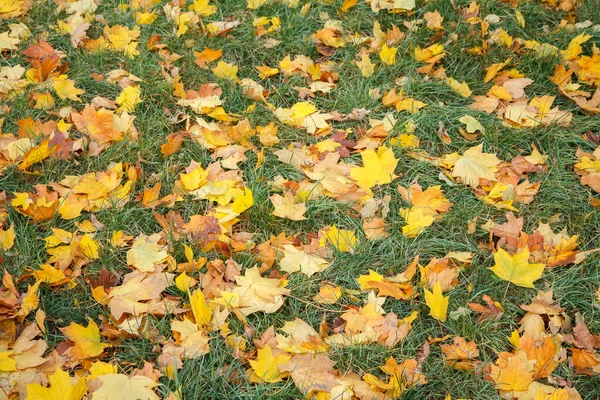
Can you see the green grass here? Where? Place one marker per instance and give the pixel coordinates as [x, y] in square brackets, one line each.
[218, 374]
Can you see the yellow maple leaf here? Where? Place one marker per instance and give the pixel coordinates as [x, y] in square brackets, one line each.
[202, 313]
[388, 55]
[7, 238]
[36, 155]
[431, 54]
[417, 219]
[378, 168]
[365, 280]
[348, 4]
[474, 165]
[184, 282]
[434, 20]
[265, 71]
[129, 98]
[516, 269]
[61, 387]
[8, 42]
[265, 366]
[343, 240]
[259, 294]
[366, 67]
[460, 88]
[493, 70]
[7, 364]
[100, 368]
[203, 8]
[145, 252]
[225, 70]
[512, 372]
[437, 302]
[123, 387]
[295, 260]
[328, 294]
[86, 340]
[254, 4]
[287, 207]
[65, 88]
[472, 124]
[206, 56]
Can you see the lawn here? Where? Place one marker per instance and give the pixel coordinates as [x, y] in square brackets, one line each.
[284, 199]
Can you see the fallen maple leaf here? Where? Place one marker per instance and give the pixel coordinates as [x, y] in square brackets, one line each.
[378, 168]
[86, 341]
[265, 367]
[475, 165]
[437, 302]
[146, 252]
[287, 207]
[516, 268]
[295, 260]
[123, 387]
[61, 387]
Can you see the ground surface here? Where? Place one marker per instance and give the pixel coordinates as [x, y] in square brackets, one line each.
[315, 166]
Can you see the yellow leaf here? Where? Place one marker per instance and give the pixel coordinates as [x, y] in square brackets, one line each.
[366, 67]
[7, 42]
[265, 72]
[61, 387]
[474, 165]
[493, 70]
[388, 55]
[225, 70]
[31, 300]
[348, 4]
[259, 294]
[202, 313]
[295, 260]
[265, 366]
[513, 372]
[287, 207]
[472, 124]
[437, 303]
[100, 368]
[434, 20]
[460, 88]
[520, 18]
[254, 4]
[36, 155]
[242, 202]
[49, 274]
[431, 54]
[417, 220]
[302, 110]
[328, 294]
[123, 387]
[7, 238]
[378, 168]
[65, 88]
[184, 282]
[129, 98]
[365, 280]
[7, 364]
[203, 8]
[516, 269]
[145, 252]
[343, 240]
[86, 340]
[206, 56]
[89, 247]
[574, 49]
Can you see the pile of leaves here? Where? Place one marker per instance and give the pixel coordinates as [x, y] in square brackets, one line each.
[349, 199]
